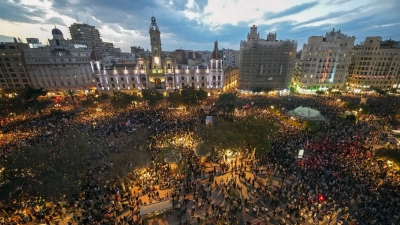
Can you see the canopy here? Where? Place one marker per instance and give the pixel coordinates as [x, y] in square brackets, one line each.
[146, 209]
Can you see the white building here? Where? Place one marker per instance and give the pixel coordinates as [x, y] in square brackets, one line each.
[60, 66]
[324, 61]
[230, 57]
[161, 73]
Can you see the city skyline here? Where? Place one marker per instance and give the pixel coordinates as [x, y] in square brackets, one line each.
[195, 25]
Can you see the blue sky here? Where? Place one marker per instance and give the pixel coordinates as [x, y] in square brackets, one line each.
[196, 24]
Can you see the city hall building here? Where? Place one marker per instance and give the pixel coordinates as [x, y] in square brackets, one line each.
[161, 72]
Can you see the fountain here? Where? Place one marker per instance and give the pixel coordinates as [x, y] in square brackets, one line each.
[306, 113]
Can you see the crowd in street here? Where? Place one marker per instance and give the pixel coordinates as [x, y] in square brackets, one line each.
[337, 179]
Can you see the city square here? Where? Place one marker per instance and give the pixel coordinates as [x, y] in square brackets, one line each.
[209, 112]
[170, 179]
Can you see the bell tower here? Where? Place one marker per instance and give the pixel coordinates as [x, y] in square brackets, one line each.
[155, 42]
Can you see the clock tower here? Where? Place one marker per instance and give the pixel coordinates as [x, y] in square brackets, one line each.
[155, 42]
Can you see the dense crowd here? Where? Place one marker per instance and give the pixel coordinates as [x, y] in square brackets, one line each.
[338, 178]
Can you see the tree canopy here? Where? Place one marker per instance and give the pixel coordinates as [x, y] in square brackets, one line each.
[152, 96]
[122, 99]
[242, 133]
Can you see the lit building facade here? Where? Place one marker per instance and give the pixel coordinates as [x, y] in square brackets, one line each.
[13, 72]
[160, 71]
[60, 66]
[265, 63]
[375, 64]
[324, 62]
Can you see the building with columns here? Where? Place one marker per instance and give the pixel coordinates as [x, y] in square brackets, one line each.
[375, 64]
[60, 66]
[265, 63]
[160, 71]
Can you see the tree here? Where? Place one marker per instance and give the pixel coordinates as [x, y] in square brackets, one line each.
[319, 92]
[152, 96]
[267, 89]
[242, 133]
[311, 125]
[10, 106]
[175, 98]
[31, 97]
[122, 99]
[49, 169]
[71, 94]
[257, 90]
[191, 96]
[228, 102]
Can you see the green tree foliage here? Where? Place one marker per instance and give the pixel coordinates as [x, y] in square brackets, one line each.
[175, 98]
[379, 91]
[10, 106]
[311, 125]
[31, 99]
[152, 96]
[191, 96]
[319, 92]
[257, 90]
[122, 99]
[248, 131]
[389, 154]
[228, 101]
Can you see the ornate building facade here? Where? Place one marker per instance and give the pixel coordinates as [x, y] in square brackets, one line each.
[265, 63]
[160, 72]
[60, 66]
[324, 62]
[375, 64]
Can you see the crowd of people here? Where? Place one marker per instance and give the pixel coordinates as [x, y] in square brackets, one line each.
[337, 179]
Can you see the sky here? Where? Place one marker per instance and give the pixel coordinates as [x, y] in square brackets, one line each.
[196, 24]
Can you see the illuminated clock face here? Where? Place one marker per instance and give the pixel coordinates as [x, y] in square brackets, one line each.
[60, 53]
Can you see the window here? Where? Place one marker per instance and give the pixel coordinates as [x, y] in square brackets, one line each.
[183, 78]
[202, 84]
[202, 78]
[183, 85]
[192, 78]
[113, 85]
[111, 79]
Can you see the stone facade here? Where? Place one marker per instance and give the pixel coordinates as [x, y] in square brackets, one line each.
[161, 71]
[324, 61]
[265, 63]
[13, 73]
[59, 66]
[375, 64]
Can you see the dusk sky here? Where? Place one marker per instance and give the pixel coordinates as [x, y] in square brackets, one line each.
[196, 24]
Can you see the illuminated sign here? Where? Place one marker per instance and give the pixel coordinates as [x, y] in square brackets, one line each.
[80, 46]
[35, 45]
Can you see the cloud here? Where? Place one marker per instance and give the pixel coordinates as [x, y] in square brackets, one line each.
[291, 11]
[43, 29]
[337, 2]
[16, 12]
[55, 21]
[5, 38]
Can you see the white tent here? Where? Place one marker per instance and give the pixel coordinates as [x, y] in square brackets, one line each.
[146, 209]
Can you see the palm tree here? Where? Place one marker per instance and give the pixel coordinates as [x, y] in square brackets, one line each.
[71, 94]
[228, 101]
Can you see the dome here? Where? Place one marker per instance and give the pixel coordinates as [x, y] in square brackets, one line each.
[56, 31]
[216, 54]
[95, 56]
